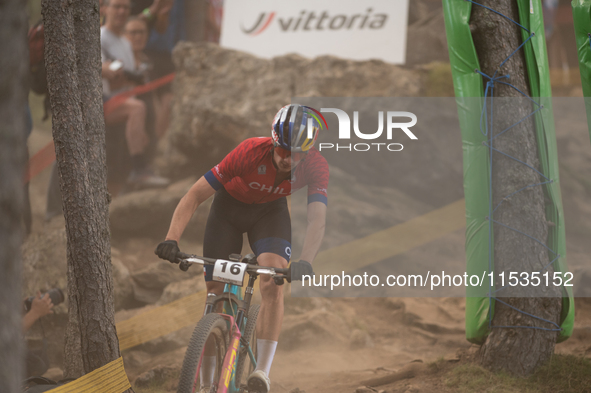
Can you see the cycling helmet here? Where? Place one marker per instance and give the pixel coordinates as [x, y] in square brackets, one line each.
[290, 127]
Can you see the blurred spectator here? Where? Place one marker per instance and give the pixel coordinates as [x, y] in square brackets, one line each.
[161, 42]
[154, 12]
[102, 11]
[136, 32]
[215, 11]
[118, 66]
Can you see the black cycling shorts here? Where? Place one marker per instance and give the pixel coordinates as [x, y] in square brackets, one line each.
[268, 226]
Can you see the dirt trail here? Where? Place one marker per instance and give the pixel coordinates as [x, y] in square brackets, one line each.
[401, 330]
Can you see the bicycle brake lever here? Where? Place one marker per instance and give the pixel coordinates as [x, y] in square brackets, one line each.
[184, 265]
[279, 279]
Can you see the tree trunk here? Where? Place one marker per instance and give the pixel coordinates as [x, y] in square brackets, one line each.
[72, 58]
[13, 101]
[516, 350]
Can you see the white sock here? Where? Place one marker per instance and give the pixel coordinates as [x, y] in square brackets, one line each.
[265, 353]
[207, 370]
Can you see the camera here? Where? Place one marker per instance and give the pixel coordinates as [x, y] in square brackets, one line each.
[115, 65]
[56, 295]
[134, 77]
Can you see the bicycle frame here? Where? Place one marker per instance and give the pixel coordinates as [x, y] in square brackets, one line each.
[226, 383]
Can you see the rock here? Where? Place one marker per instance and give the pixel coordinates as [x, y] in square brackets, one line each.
[136, 358]
[147, 213]
[54, 373]
[224, 96]
[122, 284]
[157, 376]
[313, 328]
[365, 389]
[169, 342]
[159, 274]
[429, 315]
[145, 295]
[360, 339]
[45, 262]
[177, 290]
[582, 282]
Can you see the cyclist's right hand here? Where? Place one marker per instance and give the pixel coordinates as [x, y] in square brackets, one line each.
[169, 250]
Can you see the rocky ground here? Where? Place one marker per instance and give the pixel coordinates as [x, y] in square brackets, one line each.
[327, 345]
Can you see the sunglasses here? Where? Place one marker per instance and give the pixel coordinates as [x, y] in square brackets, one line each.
[295, 156]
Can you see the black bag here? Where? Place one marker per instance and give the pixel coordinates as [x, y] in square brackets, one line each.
[41, 384]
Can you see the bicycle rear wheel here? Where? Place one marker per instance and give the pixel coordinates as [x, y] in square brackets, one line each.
[211, 327]
[245, 366]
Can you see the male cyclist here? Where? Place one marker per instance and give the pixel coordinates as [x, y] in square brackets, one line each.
[250, 186]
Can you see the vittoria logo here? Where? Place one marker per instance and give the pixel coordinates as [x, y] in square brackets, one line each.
[261, 24]
[310, 20]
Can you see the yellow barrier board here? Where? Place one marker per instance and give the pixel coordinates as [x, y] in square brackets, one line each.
[161, 321]
[392, 241]
[110, 378]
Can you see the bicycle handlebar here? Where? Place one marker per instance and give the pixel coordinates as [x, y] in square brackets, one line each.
[276, 272]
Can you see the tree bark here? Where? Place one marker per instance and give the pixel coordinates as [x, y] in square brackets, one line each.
[72, 58]
[516, 350]
[13, 101]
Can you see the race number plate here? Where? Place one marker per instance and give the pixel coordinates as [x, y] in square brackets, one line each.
[229, 272]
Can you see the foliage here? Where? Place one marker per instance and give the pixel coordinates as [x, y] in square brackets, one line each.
[563, 373]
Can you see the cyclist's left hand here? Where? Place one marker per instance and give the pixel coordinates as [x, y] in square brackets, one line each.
[299, 269]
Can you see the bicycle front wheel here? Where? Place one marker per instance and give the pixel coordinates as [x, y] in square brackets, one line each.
[211, 330]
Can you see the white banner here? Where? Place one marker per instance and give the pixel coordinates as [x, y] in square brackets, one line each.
[352, 29]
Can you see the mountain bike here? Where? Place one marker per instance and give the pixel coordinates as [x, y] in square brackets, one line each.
[229, 334]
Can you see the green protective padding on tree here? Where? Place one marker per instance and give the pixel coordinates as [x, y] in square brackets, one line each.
[582, 21]
[469, 91]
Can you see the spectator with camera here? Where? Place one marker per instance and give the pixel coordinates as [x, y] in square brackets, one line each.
[36, 307]
[119, 74]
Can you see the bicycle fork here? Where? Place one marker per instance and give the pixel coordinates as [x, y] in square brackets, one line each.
[228, 369]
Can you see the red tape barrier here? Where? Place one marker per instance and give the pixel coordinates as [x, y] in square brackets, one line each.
[46, 155]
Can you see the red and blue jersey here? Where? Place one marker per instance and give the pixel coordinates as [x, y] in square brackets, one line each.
[248, 174]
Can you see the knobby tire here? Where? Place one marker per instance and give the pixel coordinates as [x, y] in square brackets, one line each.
[210, 325]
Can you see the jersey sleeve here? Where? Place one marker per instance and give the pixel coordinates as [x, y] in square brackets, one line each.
[233, 165]
[317, 175]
